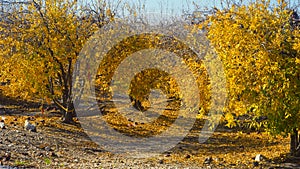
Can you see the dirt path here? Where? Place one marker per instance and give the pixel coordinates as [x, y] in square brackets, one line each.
[58, 145]
[62, 146]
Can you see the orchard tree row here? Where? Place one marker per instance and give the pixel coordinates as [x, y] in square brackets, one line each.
[258, 43]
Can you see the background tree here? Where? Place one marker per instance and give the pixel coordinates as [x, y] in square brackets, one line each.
[260, 52]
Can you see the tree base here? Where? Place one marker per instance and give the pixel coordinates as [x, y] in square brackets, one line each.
[68, 118]
[295, 143]
[297, 153]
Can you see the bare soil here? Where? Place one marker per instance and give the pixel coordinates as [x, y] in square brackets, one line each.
[60, 145]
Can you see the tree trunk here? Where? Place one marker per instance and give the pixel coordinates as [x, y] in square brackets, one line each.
[67, 95]
[68, 117]
[68, 112]
[294, 144]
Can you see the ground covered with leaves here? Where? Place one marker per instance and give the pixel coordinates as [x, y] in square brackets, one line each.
[60, 145]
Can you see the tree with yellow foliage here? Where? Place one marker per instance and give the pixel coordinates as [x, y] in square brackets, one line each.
[40, 42]
[260, 53]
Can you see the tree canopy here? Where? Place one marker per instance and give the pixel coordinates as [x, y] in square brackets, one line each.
[40, 43]
[260, 53]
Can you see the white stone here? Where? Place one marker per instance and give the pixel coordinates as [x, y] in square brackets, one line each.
[28, 126]
[258, 157]
[2, 125]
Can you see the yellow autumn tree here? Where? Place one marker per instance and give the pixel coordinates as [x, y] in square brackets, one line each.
[41, 40]
[260, 53]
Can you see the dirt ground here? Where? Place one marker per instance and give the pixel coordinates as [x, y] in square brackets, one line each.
[60, 145]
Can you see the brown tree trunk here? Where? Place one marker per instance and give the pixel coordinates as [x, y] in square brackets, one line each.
[67, 92]
[68, 117]
[68, 112]
[294, 144]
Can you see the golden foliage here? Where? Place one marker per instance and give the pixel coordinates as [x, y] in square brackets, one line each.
[41, 41]
[259, 51]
